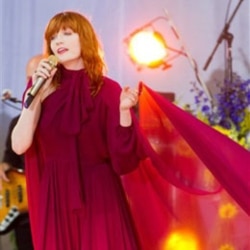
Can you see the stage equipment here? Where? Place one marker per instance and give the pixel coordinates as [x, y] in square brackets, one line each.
[147, 48]
[228, 37]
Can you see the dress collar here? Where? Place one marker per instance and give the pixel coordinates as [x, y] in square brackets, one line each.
[78, 101]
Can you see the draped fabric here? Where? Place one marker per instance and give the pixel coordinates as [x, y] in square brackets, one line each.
[189, 145]
[194, 165]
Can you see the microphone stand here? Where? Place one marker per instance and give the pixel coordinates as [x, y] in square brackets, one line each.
[13, 99]
[229, 66]
[8, 101]
[12, 106]
[229, 38]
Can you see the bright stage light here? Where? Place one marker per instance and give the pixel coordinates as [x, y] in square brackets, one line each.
[181, 240]
[147, 48]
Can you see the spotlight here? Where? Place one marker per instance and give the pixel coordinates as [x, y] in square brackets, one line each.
[181, 240]
[147, 48]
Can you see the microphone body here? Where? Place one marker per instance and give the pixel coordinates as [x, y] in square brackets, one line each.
[33, 91]
[52, 60]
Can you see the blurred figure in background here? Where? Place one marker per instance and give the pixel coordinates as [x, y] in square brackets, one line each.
[12, 160]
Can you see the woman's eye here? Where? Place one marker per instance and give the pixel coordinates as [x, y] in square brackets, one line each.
[52, 37]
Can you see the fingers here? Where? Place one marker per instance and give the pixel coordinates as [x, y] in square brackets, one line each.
[3, 177]
[133, 91]
[128, 98]
[4, 166]
[44, 69]
[132, 94]
[137, 90]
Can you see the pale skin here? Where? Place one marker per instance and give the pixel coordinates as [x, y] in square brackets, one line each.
[30, 68]
[66, 47]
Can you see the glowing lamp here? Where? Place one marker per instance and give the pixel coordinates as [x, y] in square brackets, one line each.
[181, 240]
[147, 48]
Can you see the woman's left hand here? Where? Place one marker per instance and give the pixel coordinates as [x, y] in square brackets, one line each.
[128, 98]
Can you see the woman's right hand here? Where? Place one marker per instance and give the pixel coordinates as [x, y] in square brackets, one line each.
[44, 70]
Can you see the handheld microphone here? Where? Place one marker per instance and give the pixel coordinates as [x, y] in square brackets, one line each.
[52, 60]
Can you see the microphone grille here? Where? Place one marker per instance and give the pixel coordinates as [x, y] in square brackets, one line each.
[53, 60]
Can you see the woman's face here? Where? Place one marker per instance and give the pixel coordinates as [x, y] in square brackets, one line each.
[66, 46]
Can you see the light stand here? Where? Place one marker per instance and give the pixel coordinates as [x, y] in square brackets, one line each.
[225, 34]
[147, 47]
[189, 57]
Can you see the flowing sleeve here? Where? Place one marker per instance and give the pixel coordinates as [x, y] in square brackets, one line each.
[184, 168]
[126, 144]
[191, 149]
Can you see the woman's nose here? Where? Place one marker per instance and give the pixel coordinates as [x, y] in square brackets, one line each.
[59, 39]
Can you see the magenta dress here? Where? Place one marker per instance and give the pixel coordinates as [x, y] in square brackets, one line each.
[94, 185]
[76, 198]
